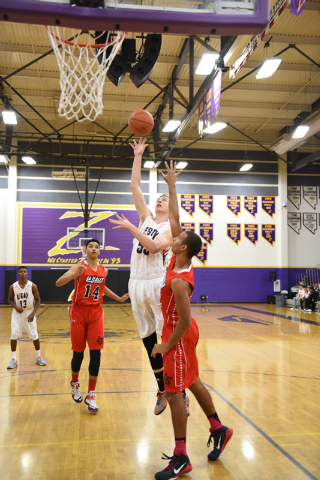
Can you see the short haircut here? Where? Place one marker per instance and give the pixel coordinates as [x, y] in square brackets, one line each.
[92, 240]
[193, 242]
[20, 268]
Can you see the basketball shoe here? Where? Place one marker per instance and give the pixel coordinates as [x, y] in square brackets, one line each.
[178, 465]
[13, 364]
[90, 400]
[220, 438]
[186, 402]
[41, 362]
[76, 394]
[161, 403]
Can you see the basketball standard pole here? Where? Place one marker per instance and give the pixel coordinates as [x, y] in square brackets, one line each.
[86, 203]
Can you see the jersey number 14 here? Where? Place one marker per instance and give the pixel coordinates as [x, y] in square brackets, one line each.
[95, 292]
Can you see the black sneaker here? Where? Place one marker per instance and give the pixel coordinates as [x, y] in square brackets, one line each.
[220, 437]
[178, 465]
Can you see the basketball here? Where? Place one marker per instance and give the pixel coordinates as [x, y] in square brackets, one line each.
[140, 122]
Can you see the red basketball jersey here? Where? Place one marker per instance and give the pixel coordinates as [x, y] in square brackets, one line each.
[168, 303]
[88, 289]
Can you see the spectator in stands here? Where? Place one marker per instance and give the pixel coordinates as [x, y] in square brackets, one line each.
[305, 296]
[316, 286]
[298, 298]
[307, 280]
[310, 302]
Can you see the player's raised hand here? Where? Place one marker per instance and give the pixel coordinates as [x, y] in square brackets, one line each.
[138, 148]
[120, 222]
[171, 177]
[81, 268]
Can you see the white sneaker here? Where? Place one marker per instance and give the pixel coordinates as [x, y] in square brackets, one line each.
[76, 394]
[13, 364]
[41, 362]
[309, 310]
[90, 400]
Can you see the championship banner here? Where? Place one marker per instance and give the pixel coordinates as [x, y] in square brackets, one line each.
[294, 221]
[206, 232]
[202, 116]
[269, 205]
[234, 204]
[206, 204]
[217, 93]
[251, 232]
[294, 195]
[203, 254]
[310, 222]
[310, 195]
[187, 226]
[268, 232]
[297, 6]
[234, 232]
[63, 232]
[209, 104]
[251, 204]
[188, 203]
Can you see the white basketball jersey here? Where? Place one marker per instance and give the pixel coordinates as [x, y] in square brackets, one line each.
[143, 263]
[23, 297]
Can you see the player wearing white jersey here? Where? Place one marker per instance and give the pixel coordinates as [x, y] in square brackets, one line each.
[152, 241]
[25, 300]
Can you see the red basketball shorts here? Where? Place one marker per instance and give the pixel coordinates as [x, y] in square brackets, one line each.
[86, 325]
[180, 363]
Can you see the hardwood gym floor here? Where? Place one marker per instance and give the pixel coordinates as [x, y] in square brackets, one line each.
[260, 363]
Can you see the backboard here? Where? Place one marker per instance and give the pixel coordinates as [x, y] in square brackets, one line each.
[191, 17]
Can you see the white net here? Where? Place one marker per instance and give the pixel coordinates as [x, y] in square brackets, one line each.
[83, 68]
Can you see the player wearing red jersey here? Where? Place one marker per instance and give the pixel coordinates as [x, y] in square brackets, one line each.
[179, 340]
[86, 318]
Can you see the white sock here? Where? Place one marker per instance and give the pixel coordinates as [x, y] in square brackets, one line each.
[14, 355]
[38, 353]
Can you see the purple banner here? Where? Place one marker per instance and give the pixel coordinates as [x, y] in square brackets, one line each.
[209, 104]
[216, 93]
[297, 6]
[268, 232]
[187, 226]
[234, 232]
[60, 229]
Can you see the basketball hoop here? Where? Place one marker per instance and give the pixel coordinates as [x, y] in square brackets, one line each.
[83, 68]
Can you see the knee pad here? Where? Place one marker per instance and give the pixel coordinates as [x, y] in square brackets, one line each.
[149, 343]
[76, 361]
[94, 365]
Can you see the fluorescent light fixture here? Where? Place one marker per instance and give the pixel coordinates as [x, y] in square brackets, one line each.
[215, 127]
[300, 131]
[246, 167]
[148, 164]
[207, 63]
[28, 160]
[4, 159]
[9, 117]
[182, 164]
[268, 68]
[171, 126]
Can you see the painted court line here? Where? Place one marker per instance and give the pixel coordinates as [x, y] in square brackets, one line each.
[287, 317]
[264, 435]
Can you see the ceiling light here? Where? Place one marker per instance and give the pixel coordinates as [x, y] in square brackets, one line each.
[268, 68]
[171, 126]
[4, 159]
[300, 131]
[28, 160]
[246, 167]
[148, 164]
[215, 127]
[207, 63]
[182, 164]
[9, 117]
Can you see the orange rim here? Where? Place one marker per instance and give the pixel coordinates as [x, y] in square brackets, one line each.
[84, 45]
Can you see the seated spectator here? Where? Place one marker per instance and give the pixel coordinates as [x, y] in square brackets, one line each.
[298, 298]
[310, 301]
[316, 286]
[305, 296]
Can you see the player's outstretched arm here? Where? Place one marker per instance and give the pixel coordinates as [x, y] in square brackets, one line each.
[74, 272]
[171, 178]
[153, 246]
[37, 298]
[180, 289]
[11, 302]
[138, 198]
[111, 294]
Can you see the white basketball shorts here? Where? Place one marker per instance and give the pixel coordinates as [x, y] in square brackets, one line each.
[145, 303]
[19, 320]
